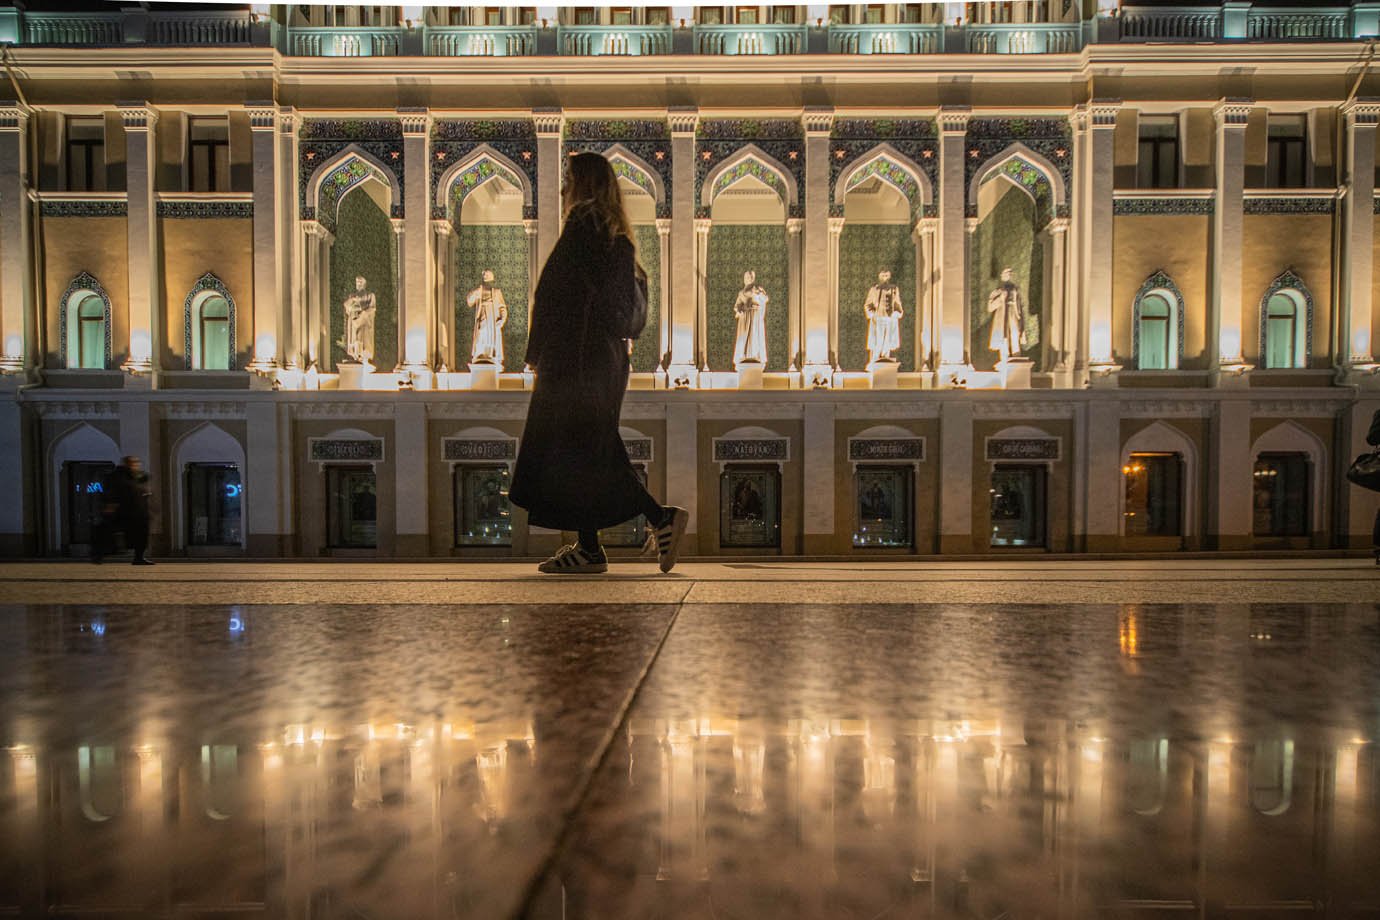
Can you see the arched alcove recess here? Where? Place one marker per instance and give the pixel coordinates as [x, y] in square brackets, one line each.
[1163, 438]
[1013, 203]
[1158, 287]
[1289, 437]
[80, 443]
[1288, 284]
[207, 443]
[644, 195]
[749, 196]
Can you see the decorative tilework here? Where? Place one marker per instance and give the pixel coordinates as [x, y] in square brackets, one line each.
[1051, 138]
[1290, 205]
[646, 139]
[733, 249]
[365, 245]
[322, 139]
[454, 140]
[1157, 205]
[749, 129]
[1006, 239]
[503, 249]
[84, 281]
[1031, 178]
[749, 167]
[205, 209]
[854, 138]
[350, 129]
[83, 209]
[1288, 280]
[472, 177]
[207, 282]
[339, 181]
[646, 354]
[864, 250]
[886, 449]
[345, 450]
[890, 172]
[617, 129]
[1159, 281]
[781, 139]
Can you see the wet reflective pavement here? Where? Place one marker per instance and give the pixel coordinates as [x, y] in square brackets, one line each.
[700, 760]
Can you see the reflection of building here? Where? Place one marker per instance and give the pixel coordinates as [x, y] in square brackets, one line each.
[180, 268]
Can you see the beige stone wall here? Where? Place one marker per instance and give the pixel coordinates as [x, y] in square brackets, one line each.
[191, 248]
[924, 487]
[310, 487]
[1274, 243]
[792, 487]
[1177, 245]
[71, 245]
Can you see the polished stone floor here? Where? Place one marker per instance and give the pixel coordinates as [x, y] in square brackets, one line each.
[620, 748]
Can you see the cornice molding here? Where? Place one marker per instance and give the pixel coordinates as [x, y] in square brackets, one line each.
[683, 121]
[1024, 409]
[76, 409]
[548, 121]
[137, 116]
[954, 119]
[1233, 112]
[263, 116]
[817, 121]
[343, 410]
[416, 121]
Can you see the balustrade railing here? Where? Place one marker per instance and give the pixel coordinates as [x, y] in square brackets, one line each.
[626, 39]
[201, 29]
[1024, 38]
[315, 41]
[1295, 24]
[480, 41]
[907, 38]
[749, 39]
[73, 29]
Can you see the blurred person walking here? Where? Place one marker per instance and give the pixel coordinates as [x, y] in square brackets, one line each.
[127, 510]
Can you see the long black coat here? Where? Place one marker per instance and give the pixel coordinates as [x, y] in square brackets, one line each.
[573, 472]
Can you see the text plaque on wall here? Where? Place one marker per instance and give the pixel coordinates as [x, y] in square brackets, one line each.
[345, 450]
[639, 449]
[752, 450]
[478, 450]
[1029, 449]
[886, 450]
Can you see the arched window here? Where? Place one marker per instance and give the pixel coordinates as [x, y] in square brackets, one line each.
[84, 335]
[1158, 325]
[211, 344]
[1285, 331]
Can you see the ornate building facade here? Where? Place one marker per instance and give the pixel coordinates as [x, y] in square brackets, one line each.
[1131, 305]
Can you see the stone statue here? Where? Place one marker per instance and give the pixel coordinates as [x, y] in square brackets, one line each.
[883, 309]
[360, 307]
[490, 316]
[1007, 307]
[750, 346]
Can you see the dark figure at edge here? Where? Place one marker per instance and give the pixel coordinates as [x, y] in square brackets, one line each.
[127, 496]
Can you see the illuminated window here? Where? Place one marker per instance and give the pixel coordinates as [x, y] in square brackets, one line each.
[1147, 775]
[586, 16]
[746, 15]
[351, 507]
[883, 507]
[1157, 165]
[874, 12]
[783, 15]
[750, 506]
[1154, 495]
[87, 331]
[710, 15]
[838, 15]
[1157, 343]
[1280, 493]
[493, 15]
[215, 498]
[913, 12]
[1272, 777]
[208, 154]
[1286, 161]
[621, 15]
[211, 317]
[527, 15]
[84, 498]
[483, 516]
[658, 15]
[85, 154]
[99, 783]
[1017, 498]
[1286, 331]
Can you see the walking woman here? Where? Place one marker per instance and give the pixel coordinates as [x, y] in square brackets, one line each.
[573, 472]
[1373, 439]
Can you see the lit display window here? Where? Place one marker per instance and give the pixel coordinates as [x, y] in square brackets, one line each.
[1154, 495]
[750, 507]
[1018, 505]
[1280, 496]
[84, 498]
[883, 507]
[483, 516]
[352, 507]
[215, 497]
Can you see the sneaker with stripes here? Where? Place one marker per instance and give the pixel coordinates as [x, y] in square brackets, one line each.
[667, 537]
[573, 559]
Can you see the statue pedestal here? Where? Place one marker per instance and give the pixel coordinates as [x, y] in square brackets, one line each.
[1015, 373]
[484, 376]
[352, 375]
[884, 374]
[749, 376]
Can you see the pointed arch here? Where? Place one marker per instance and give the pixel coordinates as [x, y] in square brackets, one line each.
[206, 443]
[79, 291]
[1163, 438]
[892, 167]
[1159, 284]
[1289, 437]
[193, 347]
[750, 160]
[473, 170]
[1290, 285]
[1028, 171]
[636, 170]
[350, 167]
[82, 442]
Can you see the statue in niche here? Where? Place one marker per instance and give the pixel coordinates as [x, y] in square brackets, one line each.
[1007, 307]
[750, 346]
[360, 307]
[883, 309]
[490, 316]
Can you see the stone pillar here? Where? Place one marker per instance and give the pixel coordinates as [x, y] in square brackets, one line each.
[1228, 221]
[1230, 522]
[1097, 505]
[835, 232]
[16, 323]
[925, 306]
[268, 465]
[534, 264]
[399, 225]
[317, 292]
[795, 272]
[953, 246]
[1355, 352]
[142, 236]
[444, 345]
[817, 458]
[816, 297]
[410, 465]
[1057, 311]
[681, 275]
[139, 438]
[1081, 248]
[1101, 152]
[663, 254]
[414, 305]
[549, 123]
[702, 225]
[263, 123]
[956, 476]
[682, 463]
[289, 306]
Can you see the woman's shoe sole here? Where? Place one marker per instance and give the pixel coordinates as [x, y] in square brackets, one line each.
[679, 521]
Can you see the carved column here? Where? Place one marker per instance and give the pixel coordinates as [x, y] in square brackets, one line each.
[263, 124]
[1228, 222]
[1058, 312]
[289, 264]
[923, 234]
[1081, 248]
[399, 226]
[796, 274]
[549, 123]
[835, 232]
[444, 344]
[317, 295]
[414, 305]
[16, 324]
[1356, 347]
[818, 235]
[682, 275]
[1102, 162]
[953, 246]
[142, 238]
[702, 225]
[663, 254]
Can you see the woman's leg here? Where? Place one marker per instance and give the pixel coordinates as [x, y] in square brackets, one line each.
[652, 509]
[589, 542]
[1375, 536]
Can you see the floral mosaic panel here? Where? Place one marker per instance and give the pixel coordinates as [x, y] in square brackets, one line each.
[503, 249]
[322, 139]
[854, 138]
[719, 139]
[472, 177]
[333, 188]
[734, 249]
[1006, 238]
[365, 245]
[865, 250]
[1035, 182]
[1051, 138]
[453, 140]
[752, 168]
[647, 139]
[895, 175]
[646, 354]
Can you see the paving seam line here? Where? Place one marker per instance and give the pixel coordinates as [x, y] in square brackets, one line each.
[594, 766]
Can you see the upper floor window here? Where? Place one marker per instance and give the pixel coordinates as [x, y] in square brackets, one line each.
[1156, 325]
[658, 15]
[746, 15]
[208, 154]
[1286, 159]
[783, 15]
[527, 15]
[838, 15]
[586, 16]
[86, 154]
[211, 335]
[913, 12]
[874, 12]
[621, 15]
[711, 15]
[1286, 331]
[86, 335]
[1157, 165]
[493, 15]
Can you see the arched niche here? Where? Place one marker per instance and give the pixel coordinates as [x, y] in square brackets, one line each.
[749, 197]
[84, 332]
[1286, 323]
[1163, 438]
[486, 196]
[1011, 202]
[82, 443]
[644, 195]
[207, 443]
[1289, 437]
[1157, 325]
[208, 326]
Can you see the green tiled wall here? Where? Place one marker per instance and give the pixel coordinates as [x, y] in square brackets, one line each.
[646, 354]
[1006, 238]
[365, 245]
[733, 249]
[864, 250]
[502, 248]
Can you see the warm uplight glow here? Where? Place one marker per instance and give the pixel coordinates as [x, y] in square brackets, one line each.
[140, 346]
[951, 346]
[14, 345]
[1360, 342]
[265, 346]
[1229, 347]
[1100, 343]
[416, 347]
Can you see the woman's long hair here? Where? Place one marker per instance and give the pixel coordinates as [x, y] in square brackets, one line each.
[591, 186]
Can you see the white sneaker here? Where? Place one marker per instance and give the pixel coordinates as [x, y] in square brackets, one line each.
[574, 560]
[668, 537]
